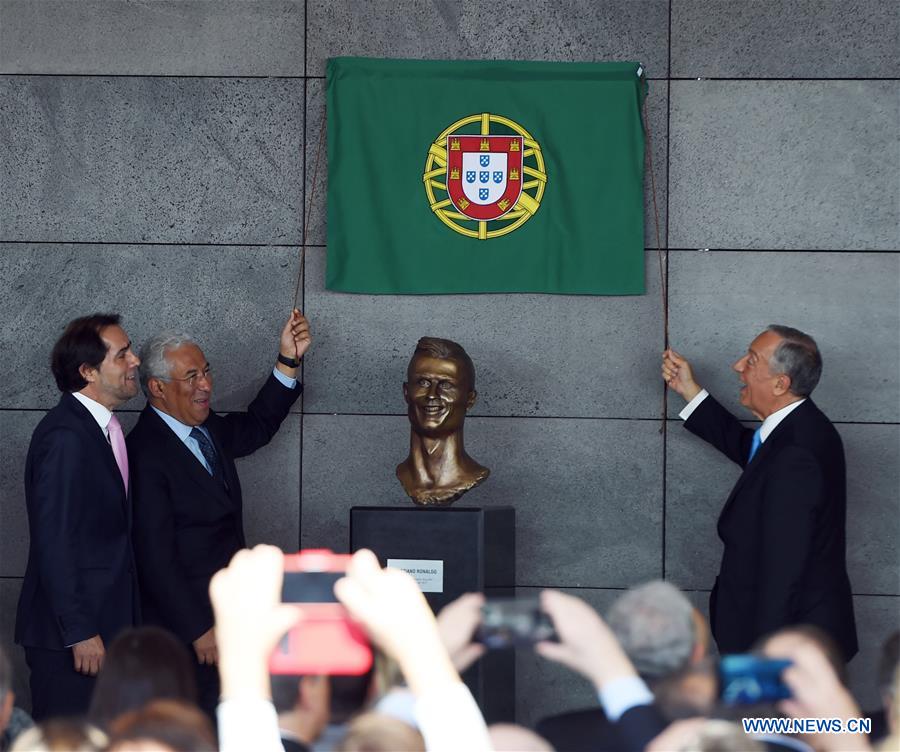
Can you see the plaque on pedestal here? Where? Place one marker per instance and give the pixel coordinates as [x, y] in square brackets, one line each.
[451, 551]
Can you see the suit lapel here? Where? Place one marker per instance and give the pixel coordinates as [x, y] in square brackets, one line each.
[99, 443]
[225, 466]
[763, 455]
[177, 452]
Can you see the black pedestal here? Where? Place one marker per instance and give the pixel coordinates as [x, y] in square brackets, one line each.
[451, 551]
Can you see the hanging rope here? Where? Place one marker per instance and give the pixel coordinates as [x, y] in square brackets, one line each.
[312, 195]
[662, 256]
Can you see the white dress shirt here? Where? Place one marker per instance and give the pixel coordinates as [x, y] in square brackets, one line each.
[447, 716]
[768, 425]
[98, 412]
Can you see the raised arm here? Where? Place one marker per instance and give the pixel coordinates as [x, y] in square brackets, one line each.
[678, 375]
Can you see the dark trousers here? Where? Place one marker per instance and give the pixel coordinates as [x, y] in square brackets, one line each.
[207, 687]
[57, 689]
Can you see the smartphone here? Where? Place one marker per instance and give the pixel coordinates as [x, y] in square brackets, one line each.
[512, 623]
[326, 640]
[748, 679]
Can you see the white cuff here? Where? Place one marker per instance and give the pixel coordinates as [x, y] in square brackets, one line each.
[248, 723]
[398, 703]
[693, 404]
[449, 719]
[621, 695]
[285, 380]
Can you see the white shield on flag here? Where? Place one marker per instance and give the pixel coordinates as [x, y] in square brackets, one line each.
[480, 169]
[484, 174]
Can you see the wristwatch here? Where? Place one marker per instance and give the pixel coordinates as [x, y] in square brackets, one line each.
[289, 362]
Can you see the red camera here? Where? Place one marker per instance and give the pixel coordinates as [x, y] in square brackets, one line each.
[326, 640]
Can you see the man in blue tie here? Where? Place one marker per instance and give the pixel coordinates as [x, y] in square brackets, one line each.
[187, 494]
[784, 523]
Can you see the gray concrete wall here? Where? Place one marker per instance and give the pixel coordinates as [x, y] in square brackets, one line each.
[157, 158]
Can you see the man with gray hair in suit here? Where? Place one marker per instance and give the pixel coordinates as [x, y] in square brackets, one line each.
[188, 504]
[667, 641]
[784, 523]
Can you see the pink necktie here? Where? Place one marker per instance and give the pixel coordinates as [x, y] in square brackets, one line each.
[117, 440]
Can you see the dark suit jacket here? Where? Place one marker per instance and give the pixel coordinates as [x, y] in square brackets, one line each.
[292, 745]
[590, 730]
[585, 730]
[187, 526]
[783, 526]
[80, 578]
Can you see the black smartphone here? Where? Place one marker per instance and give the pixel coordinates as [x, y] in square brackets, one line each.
[512, 623]
[748, 679]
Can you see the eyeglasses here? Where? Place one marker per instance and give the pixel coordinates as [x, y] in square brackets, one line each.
[191, 379]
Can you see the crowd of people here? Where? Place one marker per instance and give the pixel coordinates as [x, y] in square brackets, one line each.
[650, 662]
[147, 624]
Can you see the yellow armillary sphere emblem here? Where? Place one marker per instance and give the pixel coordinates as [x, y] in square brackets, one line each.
[484, 176]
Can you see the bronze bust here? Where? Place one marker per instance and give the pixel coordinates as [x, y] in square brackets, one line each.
[439, 389]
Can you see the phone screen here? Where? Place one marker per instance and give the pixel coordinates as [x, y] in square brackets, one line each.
[749, 679]
[309, 587]
[507, 623]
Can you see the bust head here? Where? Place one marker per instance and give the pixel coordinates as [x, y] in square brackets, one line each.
[439, 387]
[439, 390]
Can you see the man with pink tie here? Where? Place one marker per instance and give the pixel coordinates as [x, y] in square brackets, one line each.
[80, 587]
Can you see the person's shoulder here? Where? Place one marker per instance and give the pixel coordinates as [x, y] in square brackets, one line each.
[67, 410]
[148, 422]
[807, 438]
[811, 427]
[60, 436]
[214, 421]
[146, 440]
[62, 422]
[811, 411]
[292, 745]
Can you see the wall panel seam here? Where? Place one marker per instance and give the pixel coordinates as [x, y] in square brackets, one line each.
[250, 76]
[647, 249]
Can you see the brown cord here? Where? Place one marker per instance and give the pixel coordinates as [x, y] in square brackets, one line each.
[663, 258]
[312, 195]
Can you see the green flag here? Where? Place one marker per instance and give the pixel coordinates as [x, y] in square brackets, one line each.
[474, 176]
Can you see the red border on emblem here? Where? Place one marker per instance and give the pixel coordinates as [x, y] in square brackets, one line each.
[459, 144]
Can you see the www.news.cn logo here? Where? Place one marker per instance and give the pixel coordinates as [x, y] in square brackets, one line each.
[807, 726]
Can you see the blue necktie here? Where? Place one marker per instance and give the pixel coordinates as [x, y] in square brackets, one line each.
[209, 451]
[755, 445]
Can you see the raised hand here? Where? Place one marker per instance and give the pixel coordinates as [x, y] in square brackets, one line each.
[586, 644]
[250, 619]
[389, 604]
[677, 373]
[457, 623]
[295, 337]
